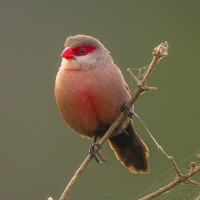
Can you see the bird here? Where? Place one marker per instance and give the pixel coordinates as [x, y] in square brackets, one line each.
[90, 91]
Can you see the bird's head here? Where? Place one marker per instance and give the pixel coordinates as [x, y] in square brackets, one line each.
[82, 50]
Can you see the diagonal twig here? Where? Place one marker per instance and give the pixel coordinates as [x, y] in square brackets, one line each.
[179, 179]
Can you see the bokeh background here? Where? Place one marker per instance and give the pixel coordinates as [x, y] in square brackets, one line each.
[38, 152]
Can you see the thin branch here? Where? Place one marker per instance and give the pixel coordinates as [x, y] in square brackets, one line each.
[179, 179]
[178, 172]
[158, 53]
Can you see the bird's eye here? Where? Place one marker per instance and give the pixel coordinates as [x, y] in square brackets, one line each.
[83, 50]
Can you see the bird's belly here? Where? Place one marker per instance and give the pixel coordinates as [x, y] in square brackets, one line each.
[83, 106]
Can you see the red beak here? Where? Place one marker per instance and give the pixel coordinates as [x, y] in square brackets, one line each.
[67, 53]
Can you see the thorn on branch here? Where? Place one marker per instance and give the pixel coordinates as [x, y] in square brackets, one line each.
[148, 88]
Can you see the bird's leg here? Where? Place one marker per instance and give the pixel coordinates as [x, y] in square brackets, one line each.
[93, 152]
[127, 110]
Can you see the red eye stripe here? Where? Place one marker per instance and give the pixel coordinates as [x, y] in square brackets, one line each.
[83, 50]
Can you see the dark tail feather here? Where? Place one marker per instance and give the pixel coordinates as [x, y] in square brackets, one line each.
[130, 150]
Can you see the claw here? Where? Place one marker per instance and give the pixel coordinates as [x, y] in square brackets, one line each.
[127, 110]
[94, 154]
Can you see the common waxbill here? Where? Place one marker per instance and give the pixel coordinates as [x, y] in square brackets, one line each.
[90, 91]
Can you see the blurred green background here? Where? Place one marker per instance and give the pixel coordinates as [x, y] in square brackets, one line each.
[38, 152]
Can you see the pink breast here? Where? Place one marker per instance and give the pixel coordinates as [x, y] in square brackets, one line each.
[90, 103]
[81, 103]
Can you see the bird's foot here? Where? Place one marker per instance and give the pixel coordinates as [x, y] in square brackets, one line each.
[127, 110]
[96, 155]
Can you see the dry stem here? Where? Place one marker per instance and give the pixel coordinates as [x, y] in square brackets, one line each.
[158, 53]
[180, 178]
